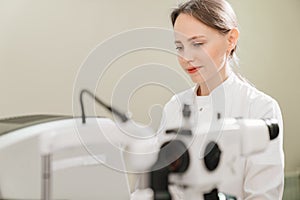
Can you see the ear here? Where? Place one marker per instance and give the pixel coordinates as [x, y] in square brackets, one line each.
[232, 38]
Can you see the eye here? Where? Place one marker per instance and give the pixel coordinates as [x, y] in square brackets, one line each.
[178, 48]
[197, 44]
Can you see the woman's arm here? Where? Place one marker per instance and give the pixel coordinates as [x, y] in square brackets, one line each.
[264, 172]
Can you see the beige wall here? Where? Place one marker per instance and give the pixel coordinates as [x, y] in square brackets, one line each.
[43, 44]
[269, 50]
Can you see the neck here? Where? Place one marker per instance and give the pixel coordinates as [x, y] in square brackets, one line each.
[205, 88]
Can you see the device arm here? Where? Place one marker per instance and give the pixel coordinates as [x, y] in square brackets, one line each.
[256, 134]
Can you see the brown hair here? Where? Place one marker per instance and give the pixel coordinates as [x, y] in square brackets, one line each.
[217, 14]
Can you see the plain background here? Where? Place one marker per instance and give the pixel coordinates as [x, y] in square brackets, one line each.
[44, 43]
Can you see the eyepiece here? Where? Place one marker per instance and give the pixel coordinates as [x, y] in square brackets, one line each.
[273, 128]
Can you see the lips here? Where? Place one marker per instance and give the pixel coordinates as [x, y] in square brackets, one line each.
[192, 70]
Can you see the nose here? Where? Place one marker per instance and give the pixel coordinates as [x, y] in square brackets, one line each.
[188, 56]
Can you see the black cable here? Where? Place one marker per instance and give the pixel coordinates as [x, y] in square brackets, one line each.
[112, 110]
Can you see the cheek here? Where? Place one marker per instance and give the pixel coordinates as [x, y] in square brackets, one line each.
[181, 61]
[216, 56]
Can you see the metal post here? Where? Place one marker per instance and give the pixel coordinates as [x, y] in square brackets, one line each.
[46, 177]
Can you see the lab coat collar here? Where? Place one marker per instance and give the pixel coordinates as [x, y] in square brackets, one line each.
[217, 96]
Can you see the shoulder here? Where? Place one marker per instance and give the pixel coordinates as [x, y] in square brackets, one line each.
[261, 104]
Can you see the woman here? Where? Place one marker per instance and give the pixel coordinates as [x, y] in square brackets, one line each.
[206, 36]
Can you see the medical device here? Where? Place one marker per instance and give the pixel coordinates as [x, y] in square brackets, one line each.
[200, 158]
[200, 162]
[47, 157]
[55, 157]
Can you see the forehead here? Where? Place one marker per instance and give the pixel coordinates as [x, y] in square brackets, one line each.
[187, 26]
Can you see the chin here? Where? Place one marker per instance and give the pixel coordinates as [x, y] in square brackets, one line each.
[198, 80]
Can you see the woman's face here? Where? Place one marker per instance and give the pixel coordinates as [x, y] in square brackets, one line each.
[202, 50]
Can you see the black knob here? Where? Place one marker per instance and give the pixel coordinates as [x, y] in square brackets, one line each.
[273, 128]
[212, 195]
[186, 111]
[212, 156]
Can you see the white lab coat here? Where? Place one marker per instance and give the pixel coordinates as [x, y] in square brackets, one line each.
[264, 172]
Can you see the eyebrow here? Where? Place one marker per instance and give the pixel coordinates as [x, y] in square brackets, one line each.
[192, 38]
